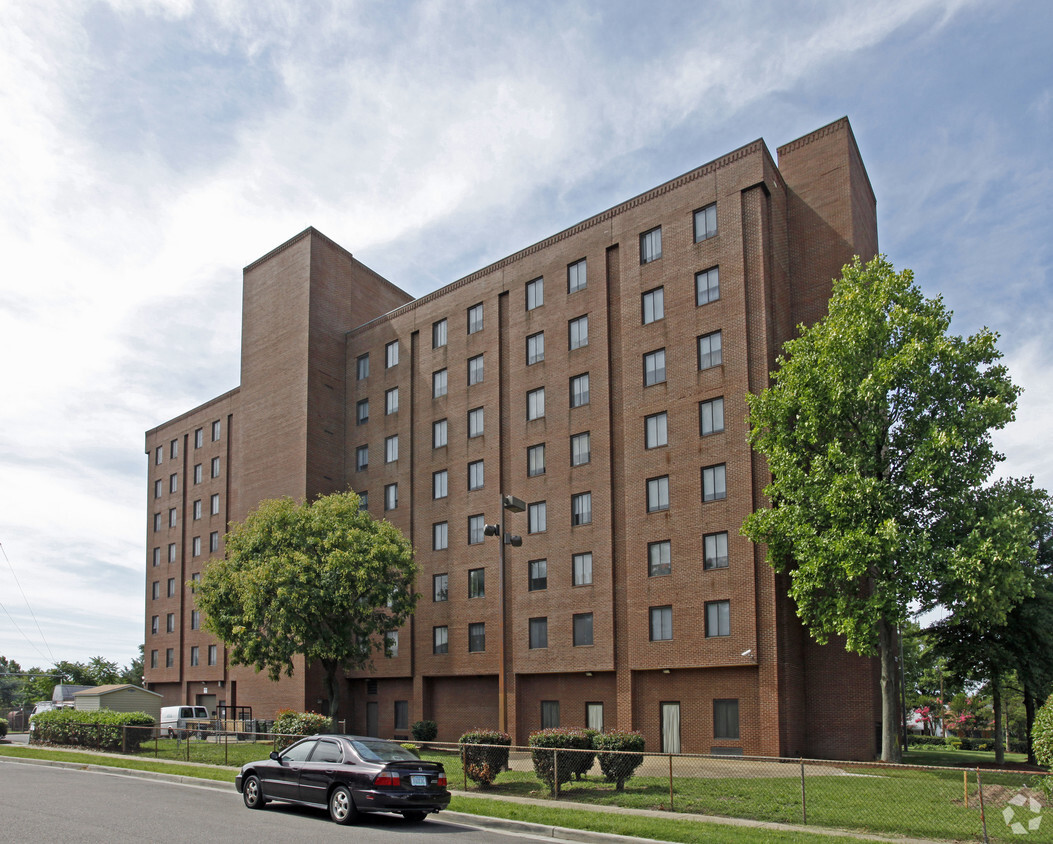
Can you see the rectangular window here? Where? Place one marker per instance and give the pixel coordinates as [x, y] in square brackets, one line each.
[475, 318]
[173, 517]
[213, 541]
[653, 305]
[199, 437]
[537, 575]
[157, 522]
[726, 719]
[198, 473]
[362, 412]
[440, 536]
[476, 637]
[171, 552]
[536, 403]
[362, 367]
[658, 494]
[195, 619]
[710, 351]
[580, 449]
[549, 714]
[391, 401]
[475, 370]
[153, 659]
[538, 633]
[476, 475]
[440, 587]
[582, 566]
[594, 716]
[170, 623]
[392, 647]
[171, 587]
[581, 508]
[214, 501]
[711, 416]
[195, 652]
[661, 624]
[659, 558]
[651, 245]
[707, 286]
[159, 488]
[438, 384]
[438, 334]
[537, 517]
[440, 640]
[577, 276]
[391, 354]
[212, 654]
[477, 583]
[361, 458]
[536, 460]
[391, 448]
[215, 467]
[714, 483]
[440, 484]
[173, 483]
[195, 545]
[706, 222]
[155, 590]
[657, 430]
[475, 422]
[718, 618]
[157, 556]
[155, 625]
[716, 550]
[159, 455]
[363, 499]
[195, 579]
[439, 433]
[535, 294]
[578, 332]
[391, 497]
[174, 449]
[476, 526]
[535, 348]
[215, 431]
[582, 629]
[169, 657]
[579, 390]
[196, 509]
[654, 367]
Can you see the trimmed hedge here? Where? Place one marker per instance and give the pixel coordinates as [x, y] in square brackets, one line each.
[618, 767]
[483, 764]
[3, 727]
[1042, 734]
[546, 762]
[291, 726]
[424, 730]
[102, 730]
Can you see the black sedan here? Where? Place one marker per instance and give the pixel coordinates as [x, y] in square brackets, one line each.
[347, 775]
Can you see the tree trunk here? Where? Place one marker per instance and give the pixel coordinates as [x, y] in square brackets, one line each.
[996, 701]
[890, 749]
[332, 688]
[1029, 720]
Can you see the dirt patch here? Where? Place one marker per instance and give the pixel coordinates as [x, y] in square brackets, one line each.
[999, 796]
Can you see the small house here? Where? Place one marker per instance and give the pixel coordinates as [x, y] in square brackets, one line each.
[119, 698]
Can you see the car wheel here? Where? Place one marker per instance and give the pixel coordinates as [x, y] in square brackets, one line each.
[415, 816]
[342, 806]
[252, 793]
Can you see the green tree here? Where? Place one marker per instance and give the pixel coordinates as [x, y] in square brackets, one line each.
[133, 672]
[877, 430]
[323, 579]
[11, 682]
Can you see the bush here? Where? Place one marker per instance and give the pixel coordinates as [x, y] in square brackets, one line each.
[617, 767]
[291, 726]
[921, 742]
[1042, 734]
[3, 727]
[424, 730]
[483, 764]
[546, 761]
[102, 730]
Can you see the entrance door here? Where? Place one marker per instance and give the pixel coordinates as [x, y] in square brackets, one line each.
[371, 719]
[209, 702]
[670, 728]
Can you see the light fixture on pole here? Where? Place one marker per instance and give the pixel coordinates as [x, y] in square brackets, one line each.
[509, 504]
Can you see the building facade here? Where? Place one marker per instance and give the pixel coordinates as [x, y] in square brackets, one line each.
[599, 379]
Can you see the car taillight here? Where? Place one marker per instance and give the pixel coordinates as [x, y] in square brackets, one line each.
[441, 780]
[388, 779]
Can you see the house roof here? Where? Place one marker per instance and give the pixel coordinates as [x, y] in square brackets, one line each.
[113, 687]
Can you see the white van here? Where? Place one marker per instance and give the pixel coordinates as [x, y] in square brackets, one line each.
[176, 720]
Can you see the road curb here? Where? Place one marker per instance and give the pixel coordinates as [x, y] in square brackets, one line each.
[215, 785]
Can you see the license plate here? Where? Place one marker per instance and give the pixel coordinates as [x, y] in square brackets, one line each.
[417, 779]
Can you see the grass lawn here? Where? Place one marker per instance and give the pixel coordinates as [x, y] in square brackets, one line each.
[958, 758]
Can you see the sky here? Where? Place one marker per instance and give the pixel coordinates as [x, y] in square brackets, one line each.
[150, 149]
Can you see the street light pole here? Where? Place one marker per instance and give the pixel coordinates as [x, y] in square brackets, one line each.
[509, 503]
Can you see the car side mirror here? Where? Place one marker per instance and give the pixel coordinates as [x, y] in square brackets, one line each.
[274, 756]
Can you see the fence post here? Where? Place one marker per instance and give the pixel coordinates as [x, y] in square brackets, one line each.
[124, 738]
[464, 765]
[555, 772]
[980, 791]
[670, 782]
[226, 743]
[965, 786]
[804, 804]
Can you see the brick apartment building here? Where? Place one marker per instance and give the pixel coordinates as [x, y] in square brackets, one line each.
[600, 377]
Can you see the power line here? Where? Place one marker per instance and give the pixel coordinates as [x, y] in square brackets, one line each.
[31, 613]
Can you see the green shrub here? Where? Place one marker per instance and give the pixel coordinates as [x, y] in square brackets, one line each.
[1042, 734]
[291, 726]
[424, 730]
[482, 764]
[549, 766]
[412, 748]
[916, 742]
[617, 766]
[3, 727]
[102, 730]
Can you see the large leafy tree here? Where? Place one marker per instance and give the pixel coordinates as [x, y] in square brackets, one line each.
[877, 430]
[323, 580]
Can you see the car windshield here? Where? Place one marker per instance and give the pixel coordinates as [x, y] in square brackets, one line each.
[382, 751]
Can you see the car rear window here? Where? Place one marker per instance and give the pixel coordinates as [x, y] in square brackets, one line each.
[382, 751]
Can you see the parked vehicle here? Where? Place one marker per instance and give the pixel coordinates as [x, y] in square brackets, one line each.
[178, 721]
[348, 775]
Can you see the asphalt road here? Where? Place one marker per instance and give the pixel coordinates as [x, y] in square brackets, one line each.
[44, 804]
